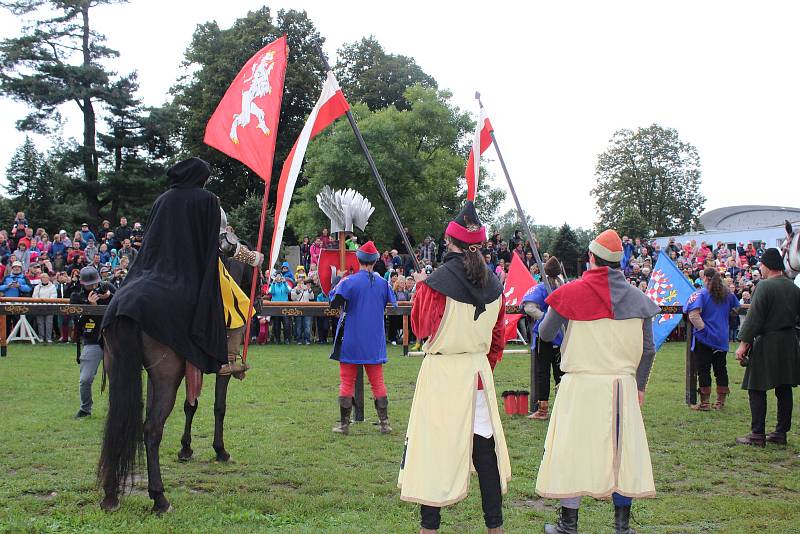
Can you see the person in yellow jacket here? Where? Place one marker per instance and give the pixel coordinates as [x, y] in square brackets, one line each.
[596, 443]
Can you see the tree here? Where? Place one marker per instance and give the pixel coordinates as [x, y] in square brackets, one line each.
[30, 184]
[56, 61]
[653, 172]
[566, 249]
[213, 60]
[368, 74]
[419, 153]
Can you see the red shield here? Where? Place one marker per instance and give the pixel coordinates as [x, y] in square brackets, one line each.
[330, 258]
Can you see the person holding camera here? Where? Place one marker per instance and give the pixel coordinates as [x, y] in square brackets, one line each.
[769, 348]
[279, 292]
[302, 324]
[93, 291]
[15, 284]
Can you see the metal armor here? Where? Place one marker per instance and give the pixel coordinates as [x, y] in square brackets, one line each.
[230, 246]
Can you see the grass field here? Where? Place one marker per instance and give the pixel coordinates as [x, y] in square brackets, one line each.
[289, 473]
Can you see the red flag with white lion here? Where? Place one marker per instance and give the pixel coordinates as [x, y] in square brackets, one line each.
[245, 123]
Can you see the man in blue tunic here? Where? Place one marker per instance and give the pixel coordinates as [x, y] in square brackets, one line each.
[360, 337]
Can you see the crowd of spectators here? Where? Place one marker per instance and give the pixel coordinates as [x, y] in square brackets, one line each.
[32, 264]
[36, 265]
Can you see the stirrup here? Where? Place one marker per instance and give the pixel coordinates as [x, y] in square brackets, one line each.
[235, 367]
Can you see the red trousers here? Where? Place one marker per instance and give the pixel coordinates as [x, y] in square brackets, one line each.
[347, 377]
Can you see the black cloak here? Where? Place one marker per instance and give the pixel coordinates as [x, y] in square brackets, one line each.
[172, 288]
[451, 280]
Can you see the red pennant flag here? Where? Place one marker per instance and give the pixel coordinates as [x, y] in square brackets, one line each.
[518, 282]
[245, 123]
[330, 106]
[480, 143]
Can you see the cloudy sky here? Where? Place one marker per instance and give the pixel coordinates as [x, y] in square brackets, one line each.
[557, 78]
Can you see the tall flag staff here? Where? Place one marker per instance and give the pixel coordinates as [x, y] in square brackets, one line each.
[520, 213]
[255, 93]
[485, 124]
[375, 173]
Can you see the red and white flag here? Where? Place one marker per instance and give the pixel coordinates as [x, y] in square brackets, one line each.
[245, 123]
[330, 106]
[518, 282]
[480, 143]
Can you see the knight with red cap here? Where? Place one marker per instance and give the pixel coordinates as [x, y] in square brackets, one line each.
[596, 443]
[454, 422]
[360, 337]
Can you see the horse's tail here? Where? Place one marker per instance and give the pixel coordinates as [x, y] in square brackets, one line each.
[123, 440]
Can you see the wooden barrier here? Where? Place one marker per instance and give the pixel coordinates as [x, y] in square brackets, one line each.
[31, 306]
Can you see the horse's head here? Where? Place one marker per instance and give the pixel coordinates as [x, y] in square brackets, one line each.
[790, 250]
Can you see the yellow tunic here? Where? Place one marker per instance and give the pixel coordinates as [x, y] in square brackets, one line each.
[234, 301]
[583, 453]
[438, 454]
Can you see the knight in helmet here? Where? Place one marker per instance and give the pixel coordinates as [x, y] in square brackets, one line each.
[184, 297]
[454, 422]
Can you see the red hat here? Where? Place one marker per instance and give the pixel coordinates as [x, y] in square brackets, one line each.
[367, 253]
[607, 246]
[467, 227]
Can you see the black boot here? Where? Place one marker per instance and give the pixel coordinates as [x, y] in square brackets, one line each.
[622, 518]
[382, 407]
[567, 523]
[345, 407]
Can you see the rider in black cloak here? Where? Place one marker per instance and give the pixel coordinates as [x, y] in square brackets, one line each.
[173, 287]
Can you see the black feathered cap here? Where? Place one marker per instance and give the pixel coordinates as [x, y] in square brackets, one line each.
[467, 227]
[772, 258]
[192, 172]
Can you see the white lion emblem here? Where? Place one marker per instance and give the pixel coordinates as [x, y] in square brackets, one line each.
[259, 86]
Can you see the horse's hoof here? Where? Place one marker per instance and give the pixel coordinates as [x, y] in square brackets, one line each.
[184, 455]
[109, 504]
[158, 511]
[223, 456]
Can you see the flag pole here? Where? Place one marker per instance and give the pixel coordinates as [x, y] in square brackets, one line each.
[520, 213]
[254, 283]
[375, 173]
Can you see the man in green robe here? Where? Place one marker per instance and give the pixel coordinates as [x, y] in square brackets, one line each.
[770, 336]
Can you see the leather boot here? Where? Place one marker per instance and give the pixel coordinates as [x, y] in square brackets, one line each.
[382, 407]
[778, 438]
[622, 518]
[345, 407]
[540, 414]
[495, 530]
[567, 523]
[705, 396]
[756, 440]
[427, 531]
[722, 394]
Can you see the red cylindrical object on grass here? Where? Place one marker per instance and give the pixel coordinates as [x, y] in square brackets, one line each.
[510, 402]
[522, 402]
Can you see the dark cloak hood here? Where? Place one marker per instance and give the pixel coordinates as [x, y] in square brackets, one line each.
[450, 279]
[172, 288]
[192, 172]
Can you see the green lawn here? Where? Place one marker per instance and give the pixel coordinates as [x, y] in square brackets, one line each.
[289, 473]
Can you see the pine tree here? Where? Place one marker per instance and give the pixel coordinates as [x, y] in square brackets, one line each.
[30, 184]
[567, 249]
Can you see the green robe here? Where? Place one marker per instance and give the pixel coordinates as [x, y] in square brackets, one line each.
[770, 328]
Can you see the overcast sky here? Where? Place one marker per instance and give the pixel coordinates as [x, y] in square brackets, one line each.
[557, 78]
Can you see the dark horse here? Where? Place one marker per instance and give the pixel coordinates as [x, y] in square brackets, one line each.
[127, 432]
[243, 276]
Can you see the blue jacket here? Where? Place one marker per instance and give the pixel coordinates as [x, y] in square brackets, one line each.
[279, 291]
[86, 234]
[24, 285]
[58, 248]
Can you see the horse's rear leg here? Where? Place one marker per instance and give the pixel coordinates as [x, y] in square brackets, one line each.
[186, 441]
[165, 370]
[220, 405]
